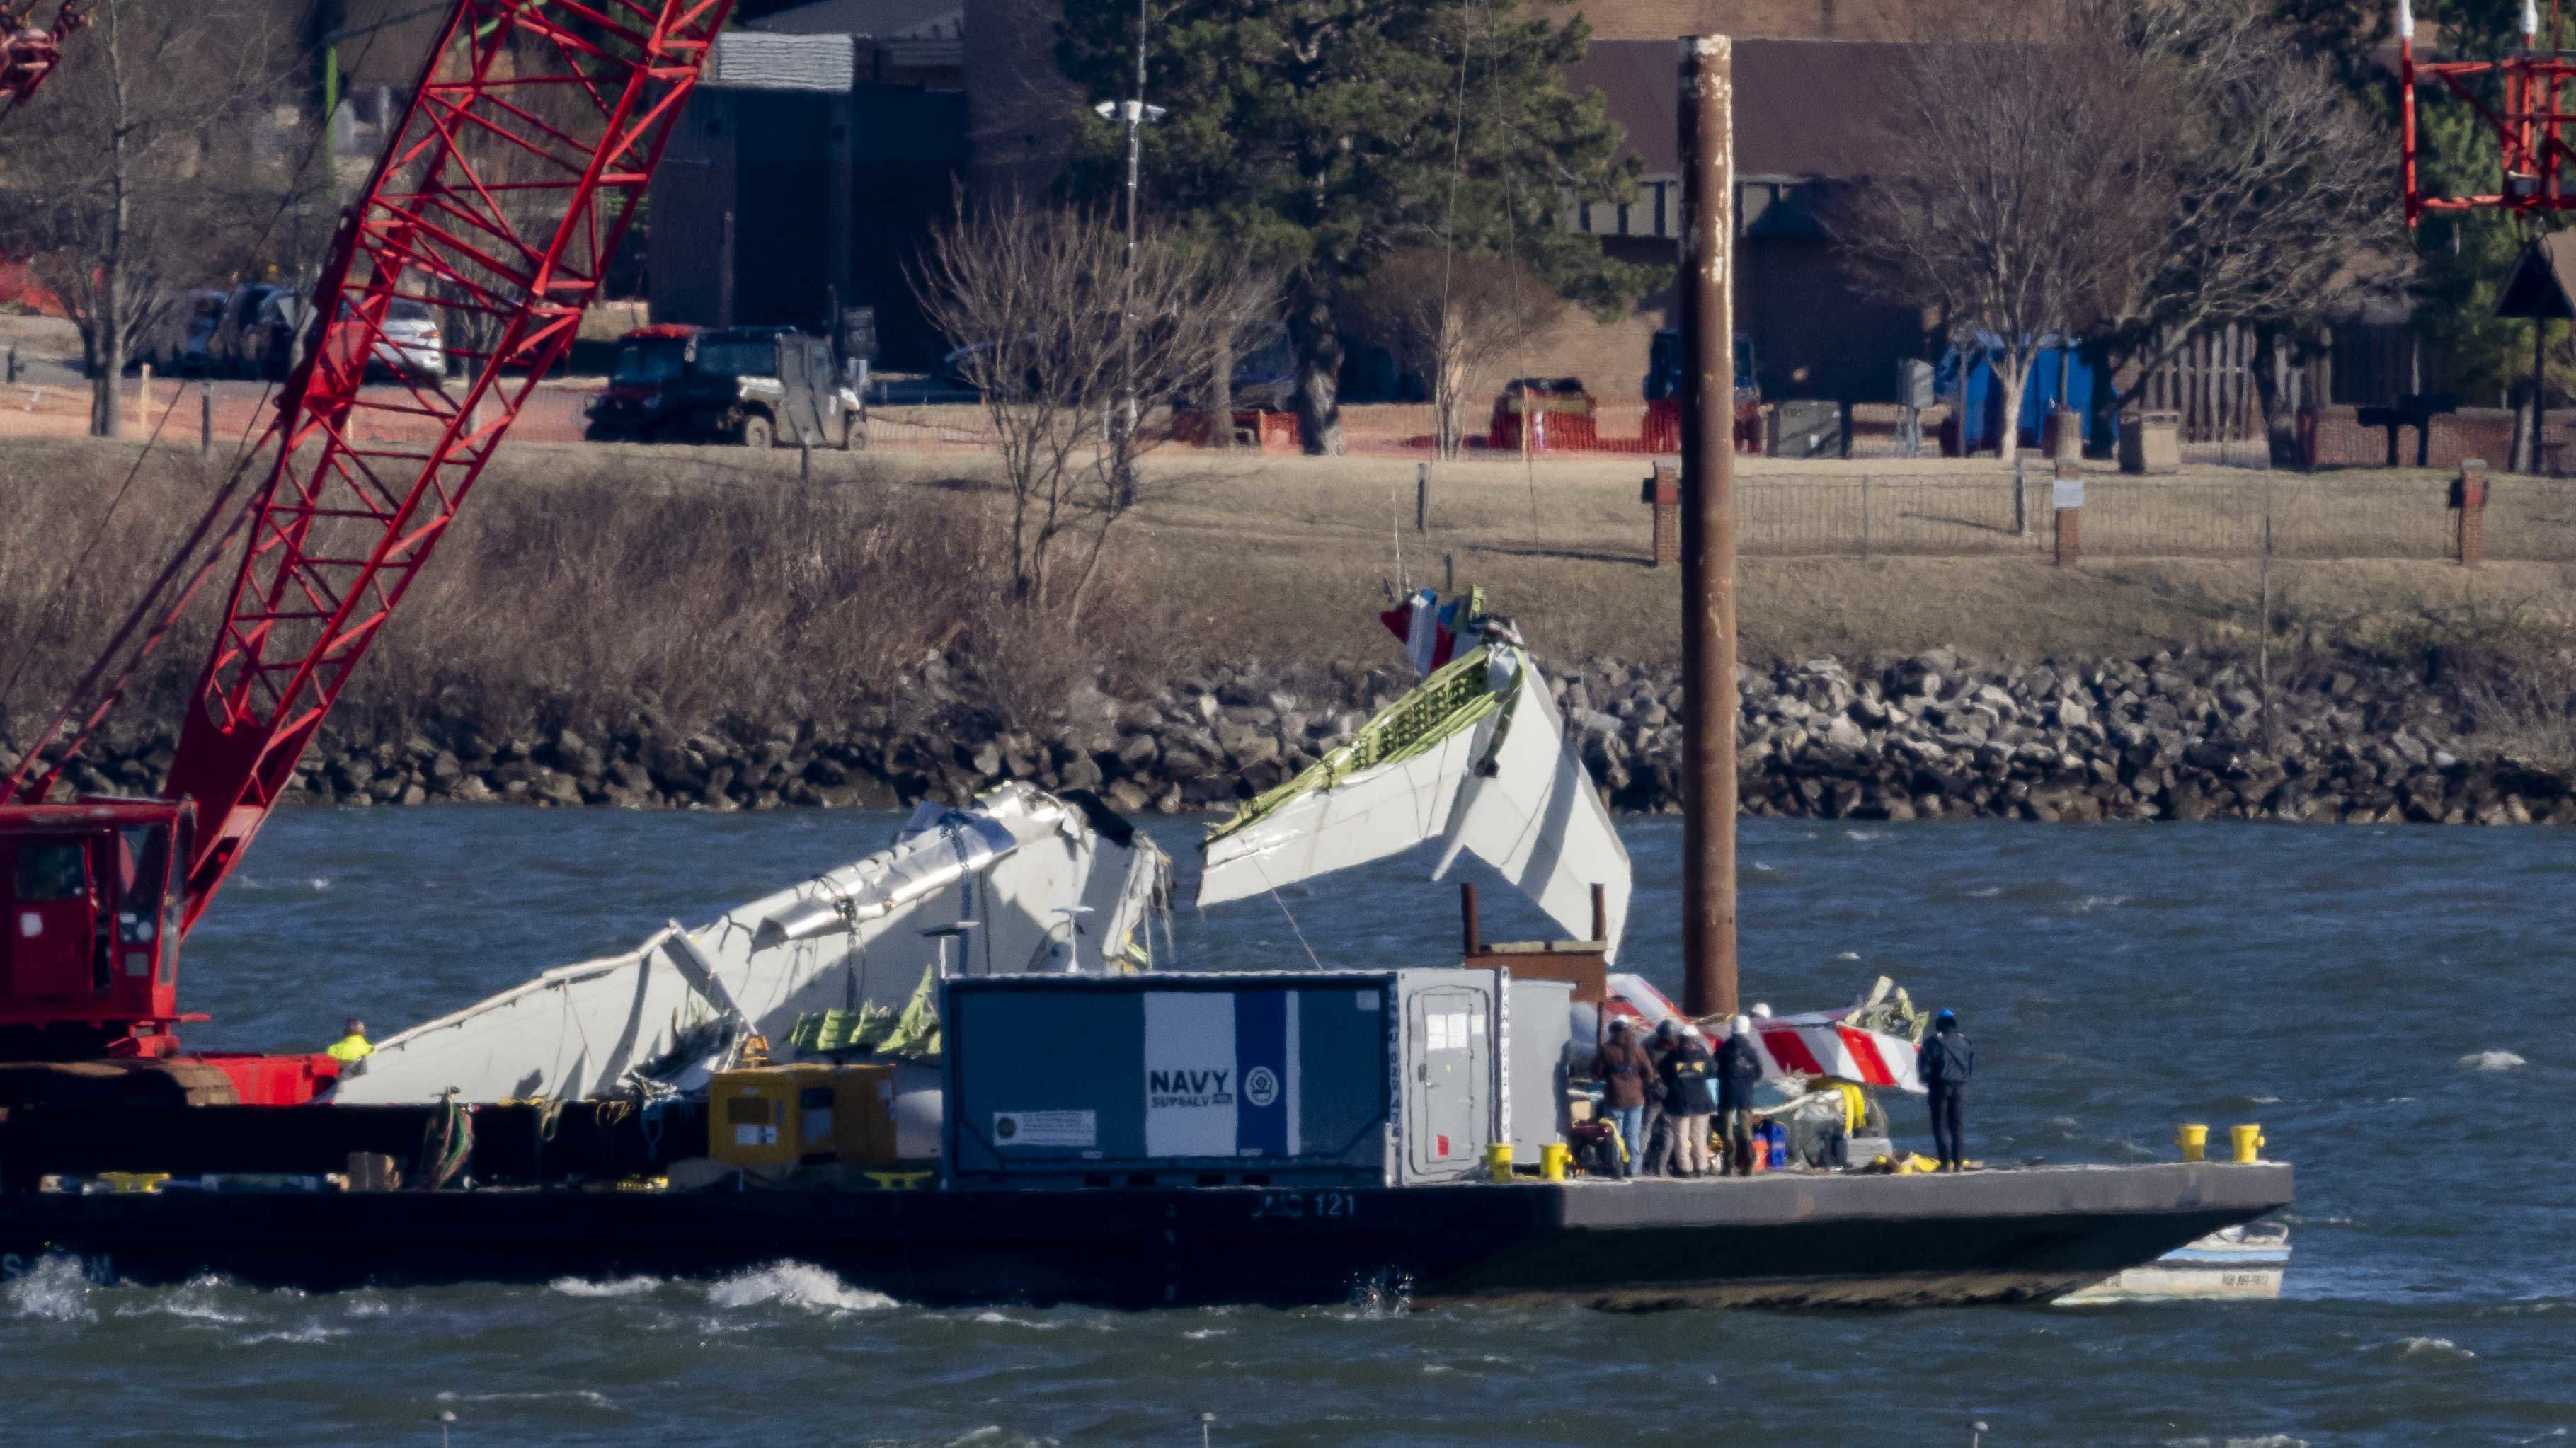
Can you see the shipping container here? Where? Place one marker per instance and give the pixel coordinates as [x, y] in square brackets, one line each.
[1539, 1026]
[1339, 1077]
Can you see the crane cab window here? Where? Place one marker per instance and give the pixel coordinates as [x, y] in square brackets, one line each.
[52, 871]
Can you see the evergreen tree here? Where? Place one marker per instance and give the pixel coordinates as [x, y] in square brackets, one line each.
[1320, 136]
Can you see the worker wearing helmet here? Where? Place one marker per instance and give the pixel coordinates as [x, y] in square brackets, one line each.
[352, 1048]
[1945, 1062]
[1739, 1070]
[1690, 1098]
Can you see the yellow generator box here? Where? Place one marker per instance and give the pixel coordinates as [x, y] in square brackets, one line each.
[863, 1113]
[754, 1119]
[775, 1118]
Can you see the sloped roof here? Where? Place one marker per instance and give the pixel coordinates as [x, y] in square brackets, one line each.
[1802, 107]
[2543, 280]
[878, 19]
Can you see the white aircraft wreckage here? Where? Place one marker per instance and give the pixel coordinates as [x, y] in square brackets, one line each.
[1022, 881]
[1475, 757]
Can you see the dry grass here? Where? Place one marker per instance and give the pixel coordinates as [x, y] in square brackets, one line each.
[706, 584]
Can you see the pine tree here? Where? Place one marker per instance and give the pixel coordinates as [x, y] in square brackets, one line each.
[1321, 136]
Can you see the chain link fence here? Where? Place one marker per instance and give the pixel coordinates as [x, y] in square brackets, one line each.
[2292, 515]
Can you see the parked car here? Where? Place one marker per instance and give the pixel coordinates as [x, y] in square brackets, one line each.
[233, 349]
[176, 346]
[1265, 374]
[411, 346]
[758, 386]
[274, 335]
[1664, 368]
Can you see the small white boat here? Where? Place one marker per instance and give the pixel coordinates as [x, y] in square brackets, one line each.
[2235, 1264]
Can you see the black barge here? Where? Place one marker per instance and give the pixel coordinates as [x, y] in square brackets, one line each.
[2023, 1235]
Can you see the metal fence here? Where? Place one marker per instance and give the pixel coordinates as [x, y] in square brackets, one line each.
[2295, 516]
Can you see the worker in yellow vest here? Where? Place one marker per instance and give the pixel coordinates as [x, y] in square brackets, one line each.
[352, 1048]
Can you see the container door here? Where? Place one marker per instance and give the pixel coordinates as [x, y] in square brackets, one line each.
[53, 918]
[1445, 1089]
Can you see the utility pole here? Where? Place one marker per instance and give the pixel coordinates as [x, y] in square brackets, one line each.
[1708, 524]
[1137, 113]
[724, 273]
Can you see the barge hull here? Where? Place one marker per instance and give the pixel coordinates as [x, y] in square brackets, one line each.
[2010, 1236]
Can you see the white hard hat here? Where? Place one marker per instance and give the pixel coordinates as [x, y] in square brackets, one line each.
[1761, 1010]
[1743, 1026]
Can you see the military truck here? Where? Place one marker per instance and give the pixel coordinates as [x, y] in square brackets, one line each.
[757, 386]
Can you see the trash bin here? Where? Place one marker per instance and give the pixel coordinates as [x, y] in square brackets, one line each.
[2151, 442]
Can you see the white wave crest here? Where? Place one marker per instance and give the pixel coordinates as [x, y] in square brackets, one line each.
[1001, 1319]
[194, 1300]
[563, 1395]
[794, 1284]
[2492, 1061]
[311, 1332]
[2440, 1348]
[613, 1287]
[53, 1291]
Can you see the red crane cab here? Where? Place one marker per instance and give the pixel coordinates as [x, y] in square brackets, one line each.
[89, 941]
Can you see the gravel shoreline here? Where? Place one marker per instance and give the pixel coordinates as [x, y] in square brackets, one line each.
[2173, 736]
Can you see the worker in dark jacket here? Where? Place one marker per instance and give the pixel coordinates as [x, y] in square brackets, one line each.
[1690, 1096]
[1739, 1070]
[1945, 1062]
[1627, 1077]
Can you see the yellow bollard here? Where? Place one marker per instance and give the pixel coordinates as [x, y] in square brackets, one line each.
[2194, 1142]
[1553, 1159]
[2249, 1142]
[1498, 1162]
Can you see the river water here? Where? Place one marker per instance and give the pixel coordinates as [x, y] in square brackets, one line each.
[2389, 1003]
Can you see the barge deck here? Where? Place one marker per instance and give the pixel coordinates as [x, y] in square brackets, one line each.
[2022, 1235]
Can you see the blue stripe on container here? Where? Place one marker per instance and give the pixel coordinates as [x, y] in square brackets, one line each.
[1261, 1056]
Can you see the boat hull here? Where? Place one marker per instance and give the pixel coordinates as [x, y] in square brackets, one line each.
[1789, 1241]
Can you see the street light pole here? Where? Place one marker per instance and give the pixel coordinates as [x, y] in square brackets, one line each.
[1127, 310]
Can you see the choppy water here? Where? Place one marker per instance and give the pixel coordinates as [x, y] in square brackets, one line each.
[2390, 1004]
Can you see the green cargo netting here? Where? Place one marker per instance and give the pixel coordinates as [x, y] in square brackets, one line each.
[875, 1029]
[1454, 698]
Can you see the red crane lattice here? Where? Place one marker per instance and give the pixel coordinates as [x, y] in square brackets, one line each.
[2531, 127]
[500, 200]
[28, 51]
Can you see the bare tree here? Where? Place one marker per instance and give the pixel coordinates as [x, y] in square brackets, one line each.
[141, 174]
[1453, 319]
[1036, 300]
[2020, 189]
[2280, 180]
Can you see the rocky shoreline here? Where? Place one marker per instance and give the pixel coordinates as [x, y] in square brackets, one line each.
[2176, 736]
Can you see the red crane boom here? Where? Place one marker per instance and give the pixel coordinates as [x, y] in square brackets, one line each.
[523, 152]
[29, 52]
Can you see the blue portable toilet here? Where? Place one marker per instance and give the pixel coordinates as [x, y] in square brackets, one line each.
[2038, 395]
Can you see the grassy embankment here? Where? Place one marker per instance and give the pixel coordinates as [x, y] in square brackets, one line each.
[584, 578]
